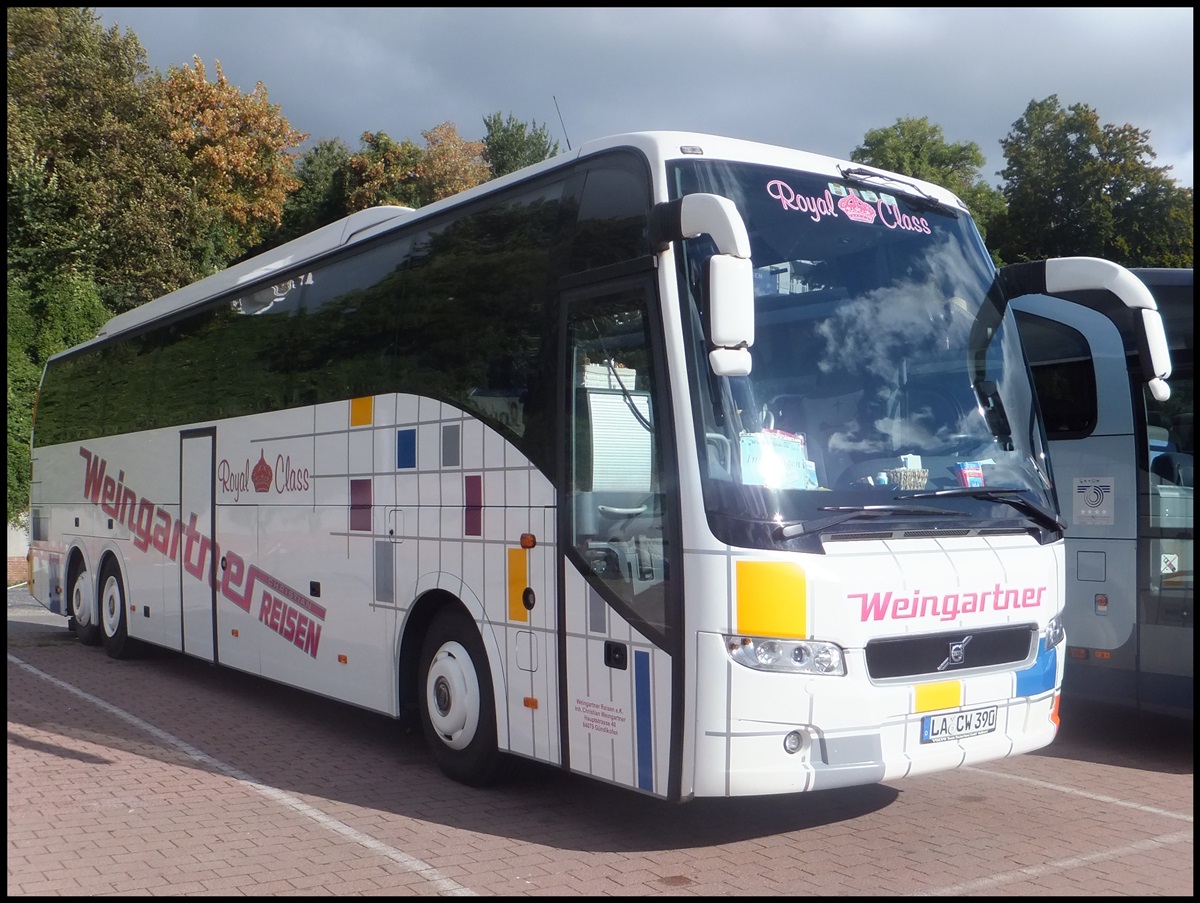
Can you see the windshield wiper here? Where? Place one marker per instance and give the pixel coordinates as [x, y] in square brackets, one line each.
[849, 512]
[914, 195]
[1039, 513]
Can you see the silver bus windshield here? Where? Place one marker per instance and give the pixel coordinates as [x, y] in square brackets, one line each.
[885, 365]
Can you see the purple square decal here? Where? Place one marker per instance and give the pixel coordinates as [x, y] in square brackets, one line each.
[360, 504]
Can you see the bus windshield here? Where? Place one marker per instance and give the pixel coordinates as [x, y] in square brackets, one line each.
[885, 365]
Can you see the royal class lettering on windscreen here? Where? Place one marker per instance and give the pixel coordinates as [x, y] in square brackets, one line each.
[856, 205]
[280, 608]
[889, 606]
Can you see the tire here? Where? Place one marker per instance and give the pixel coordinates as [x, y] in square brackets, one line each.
[83, 607]
[458, 714]
[114, 619]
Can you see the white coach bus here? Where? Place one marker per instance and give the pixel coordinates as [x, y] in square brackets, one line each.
[1123, 459]
[694, 465]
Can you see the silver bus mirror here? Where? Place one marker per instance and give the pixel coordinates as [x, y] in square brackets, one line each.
[729, 274]
[1069, 274]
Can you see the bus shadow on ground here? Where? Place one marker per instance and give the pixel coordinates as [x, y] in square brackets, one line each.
[292, 730]
[1118, 736]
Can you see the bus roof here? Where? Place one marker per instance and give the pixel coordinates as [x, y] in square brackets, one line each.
[659, 148]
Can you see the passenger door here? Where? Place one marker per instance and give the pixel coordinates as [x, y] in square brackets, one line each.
[621, 599]
[198, 598]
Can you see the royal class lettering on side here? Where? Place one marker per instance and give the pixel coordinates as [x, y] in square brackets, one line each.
[889, 606]
[152, 526]
[285, 477]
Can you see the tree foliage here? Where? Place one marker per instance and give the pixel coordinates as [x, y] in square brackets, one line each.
[238, 147]
[333, 181]
[65, 309]
[917, 148]
[320, 197]
[510, 144]
[389, 172]
[122, 186]
[73, 112]
[383, 171]
[450, 164]
[1076, 187]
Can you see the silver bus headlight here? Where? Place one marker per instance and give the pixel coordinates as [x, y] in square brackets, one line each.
[1055, 632]
[791, 656]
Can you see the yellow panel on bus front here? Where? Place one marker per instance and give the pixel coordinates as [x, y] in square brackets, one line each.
[946, 694]
[772, 599]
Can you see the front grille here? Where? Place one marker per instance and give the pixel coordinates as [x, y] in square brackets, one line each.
[921, 656]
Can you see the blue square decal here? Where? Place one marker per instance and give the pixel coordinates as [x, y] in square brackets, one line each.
[406, 449]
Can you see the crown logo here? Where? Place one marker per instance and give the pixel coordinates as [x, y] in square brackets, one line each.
[857, 209]
[261, 475]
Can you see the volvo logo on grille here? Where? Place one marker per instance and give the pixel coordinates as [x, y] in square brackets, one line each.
[958, 654]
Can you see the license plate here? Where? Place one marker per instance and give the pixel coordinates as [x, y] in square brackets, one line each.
[957, 725]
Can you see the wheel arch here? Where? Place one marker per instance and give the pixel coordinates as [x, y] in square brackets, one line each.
[113, 556]
[425, 607]
[110, 555]
[77, 557]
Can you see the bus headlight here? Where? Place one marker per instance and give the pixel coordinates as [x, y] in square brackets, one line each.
[791, 656]
[1055, 632]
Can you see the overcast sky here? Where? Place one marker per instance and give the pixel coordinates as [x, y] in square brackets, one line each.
[814, 79]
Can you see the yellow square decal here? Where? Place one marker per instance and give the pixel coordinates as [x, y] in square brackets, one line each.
[518, 580]
[772, 599]
[362, 411]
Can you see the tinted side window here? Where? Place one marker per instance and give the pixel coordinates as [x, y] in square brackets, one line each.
[1064, 376]
[614, 209]
[473, 320]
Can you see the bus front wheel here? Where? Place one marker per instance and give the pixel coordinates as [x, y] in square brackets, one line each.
[458, 715]
[83, 607]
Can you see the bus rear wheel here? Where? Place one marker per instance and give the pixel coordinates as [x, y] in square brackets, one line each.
[458, 715]
[113, 618]
[83, 607]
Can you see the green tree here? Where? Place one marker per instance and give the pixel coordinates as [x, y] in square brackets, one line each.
[510, 145]
[386, 172]
[122, 186]
[1076, 187]
[382, 171]
[915, 147]
[73, 115]
[65, 309]
[320, 198]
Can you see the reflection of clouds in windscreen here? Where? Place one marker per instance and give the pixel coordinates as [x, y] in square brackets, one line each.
[874, 332]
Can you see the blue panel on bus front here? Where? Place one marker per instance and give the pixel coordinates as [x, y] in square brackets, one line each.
[1039, 677]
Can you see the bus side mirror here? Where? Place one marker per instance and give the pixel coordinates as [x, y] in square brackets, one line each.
[728, 275]
[1068, 274]
[1158, 353]
[731, 314]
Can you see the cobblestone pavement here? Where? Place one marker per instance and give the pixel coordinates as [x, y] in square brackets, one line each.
[164, 776]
